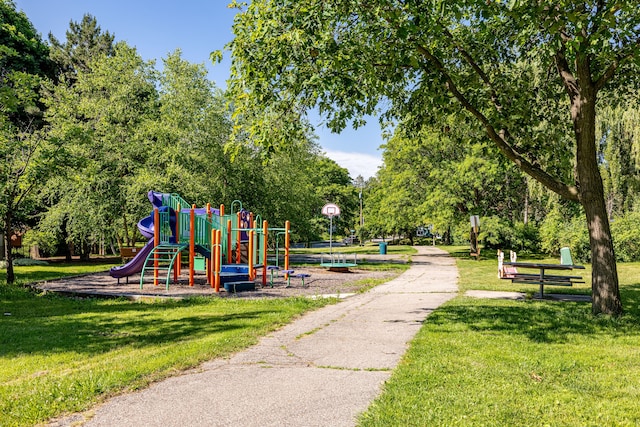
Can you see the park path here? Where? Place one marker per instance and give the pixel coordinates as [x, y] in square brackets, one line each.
[321, 370]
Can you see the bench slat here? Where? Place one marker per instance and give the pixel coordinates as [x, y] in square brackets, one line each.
[546, 276]
[545, 283]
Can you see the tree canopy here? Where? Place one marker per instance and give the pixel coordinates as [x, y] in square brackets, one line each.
[527, 73]
[28, 155]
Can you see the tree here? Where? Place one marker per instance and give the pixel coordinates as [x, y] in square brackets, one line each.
[528, 73]
[85, 41]
[441, 176]
[618, 131]
[28, 156]
[104, 117]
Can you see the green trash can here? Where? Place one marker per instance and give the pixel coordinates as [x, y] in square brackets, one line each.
[383, 248]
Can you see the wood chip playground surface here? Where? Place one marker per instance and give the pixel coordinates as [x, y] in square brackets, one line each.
[320, 282]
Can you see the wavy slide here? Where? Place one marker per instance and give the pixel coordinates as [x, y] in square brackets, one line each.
[145, 225]
[135, 265]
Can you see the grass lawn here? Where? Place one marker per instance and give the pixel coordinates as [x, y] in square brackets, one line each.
[361, 251]
[62, 354]
[530, 363]
[38, 273]
[369, 248]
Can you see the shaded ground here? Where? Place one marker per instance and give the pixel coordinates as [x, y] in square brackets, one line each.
[320, 282]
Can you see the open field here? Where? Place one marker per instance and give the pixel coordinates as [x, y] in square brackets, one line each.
[60, 354]
[502, 362]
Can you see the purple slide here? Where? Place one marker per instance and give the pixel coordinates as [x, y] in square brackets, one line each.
[135, 265]
[145, 225]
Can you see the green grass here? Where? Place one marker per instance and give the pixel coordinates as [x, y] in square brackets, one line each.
[60, 355]
[369, 248]
[521, 363]
[393, 263]
[38, 273]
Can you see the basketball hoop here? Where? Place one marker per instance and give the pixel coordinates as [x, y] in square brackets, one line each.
[330, 210]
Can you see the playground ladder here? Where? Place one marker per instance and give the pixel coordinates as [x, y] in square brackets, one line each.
[166, 256]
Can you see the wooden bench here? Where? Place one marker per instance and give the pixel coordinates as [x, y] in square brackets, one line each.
[128, 252]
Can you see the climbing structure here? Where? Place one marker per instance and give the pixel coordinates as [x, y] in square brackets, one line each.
[234, 244]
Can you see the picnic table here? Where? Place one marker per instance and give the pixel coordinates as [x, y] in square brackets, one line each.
[542, 278]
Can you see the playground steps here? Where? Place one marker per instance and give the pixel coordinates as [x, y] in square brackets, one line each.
[165, 254]
[234, 287]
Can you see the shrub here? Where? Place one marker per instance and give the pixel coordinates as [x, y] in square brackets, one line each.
[497, 233]
[626, 237]
[526, 237]
[23, 262]
[557, 231]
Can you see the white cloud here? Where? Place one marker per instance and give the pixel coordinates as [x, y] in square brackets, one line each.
[357, 163]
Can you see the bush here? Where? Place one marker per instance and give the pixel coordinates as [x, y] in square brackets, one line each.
[497, 233]
[626, 237]
[526, 237]
[23, 262]
[558, 231]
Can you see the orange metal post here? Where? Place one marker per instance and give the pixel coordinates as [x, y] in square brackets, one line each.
[252, 273]
[218, 260]
[156, 242]
[238, 240]
[264, 251]
[192, 244]
[229, 241]
[213, 259]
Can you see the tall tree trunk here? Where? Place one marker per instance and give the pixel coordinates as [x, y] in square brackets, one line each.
[8, 254]
[604, 285]
[126, 229]
[65, 238]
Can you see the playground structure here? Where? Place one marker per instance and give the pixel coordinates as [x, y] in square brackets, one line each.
[234, 245]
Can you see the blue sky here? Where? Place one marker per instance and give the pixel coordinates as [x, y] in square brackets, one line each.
[197, 27]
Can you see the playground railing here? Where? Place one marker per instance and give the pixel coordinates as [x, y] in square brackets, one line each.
[339, 259]
[202, 232]
[173, 201]
[165, 227]
[184, 227]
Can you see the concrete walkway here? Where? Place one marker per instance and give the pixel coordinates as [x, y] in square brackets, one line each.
[321, 370]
